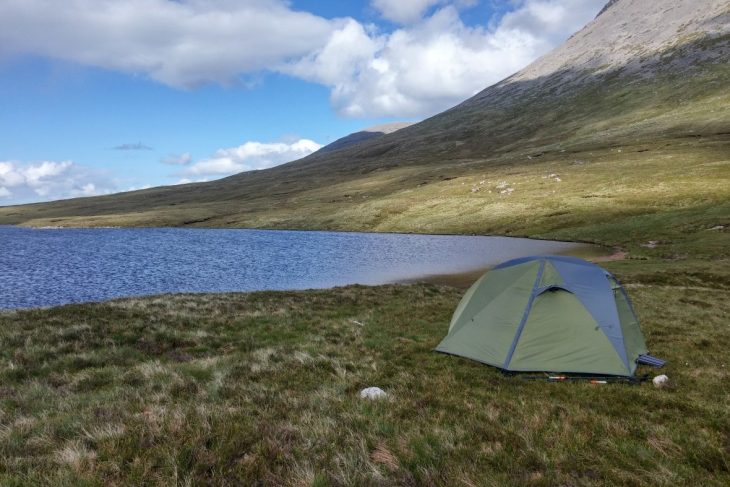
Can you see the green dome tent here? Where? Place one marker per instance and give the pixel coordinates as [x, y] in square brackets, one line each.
[548, 313]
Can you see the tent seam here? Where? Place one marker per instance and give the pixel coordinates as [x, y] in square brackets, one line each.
[503, 291]
[525, 315]
[622, 355]
[626, 296]
[633, 313]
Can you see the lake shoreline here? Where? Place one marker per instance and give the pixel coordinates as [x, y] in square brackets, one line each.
[313, 230]
[59, 266]
[464, 279]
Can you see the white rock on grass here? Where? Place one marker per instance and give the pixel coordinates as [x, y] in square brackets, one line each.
[660, 381]
[373, 393]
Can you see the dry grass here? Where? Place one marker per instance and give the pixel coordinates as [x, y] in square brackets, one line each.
[199, 389]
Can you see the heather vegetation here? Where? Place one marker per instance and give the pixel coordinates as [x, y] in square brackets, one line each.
[240, 389]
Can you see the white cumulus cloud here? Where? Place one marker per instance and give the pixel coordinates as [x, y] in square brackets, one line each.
[46, 180]
[180, 43]
[250, 156]
[550, 22]
[431, 62]
[437, 62]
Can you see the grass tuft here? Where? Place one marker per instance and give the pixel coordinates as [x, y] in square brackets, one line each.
[267, 390]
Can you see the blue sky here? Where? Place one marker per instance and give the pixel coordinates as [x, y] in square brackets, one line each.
[100, 96]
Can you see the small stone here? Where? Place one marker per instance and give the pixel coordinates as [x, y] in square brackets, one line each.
[660, 381]
[373, 393]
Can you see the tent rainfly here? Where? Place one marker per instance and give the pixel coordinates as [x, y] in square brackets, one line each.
[548, 313]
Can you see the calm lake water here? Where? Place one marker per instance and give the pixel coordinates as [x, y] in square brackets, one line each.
[42, 267]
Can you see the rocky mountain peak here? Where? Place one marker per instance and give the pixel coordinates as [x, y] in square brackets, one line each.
[635, 37]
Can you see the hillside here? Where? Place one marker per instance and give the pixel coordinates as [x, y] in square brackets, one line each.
[363, 135]
[626, 125]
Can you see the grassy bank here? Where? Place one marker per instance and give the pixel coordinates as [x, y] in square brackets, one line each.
[240, 389]
[243, 388]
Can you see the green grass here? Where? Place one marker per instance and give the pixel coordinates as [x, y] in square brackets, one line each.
[243, 388]
[240, 389]
[649, 155]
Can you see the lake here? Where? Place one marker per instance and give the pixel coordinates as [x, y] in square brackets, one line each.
[43, 267]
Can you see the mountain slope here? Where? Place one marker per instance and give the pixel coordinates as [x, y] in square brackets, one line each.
[627, 121]
[363, 135]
